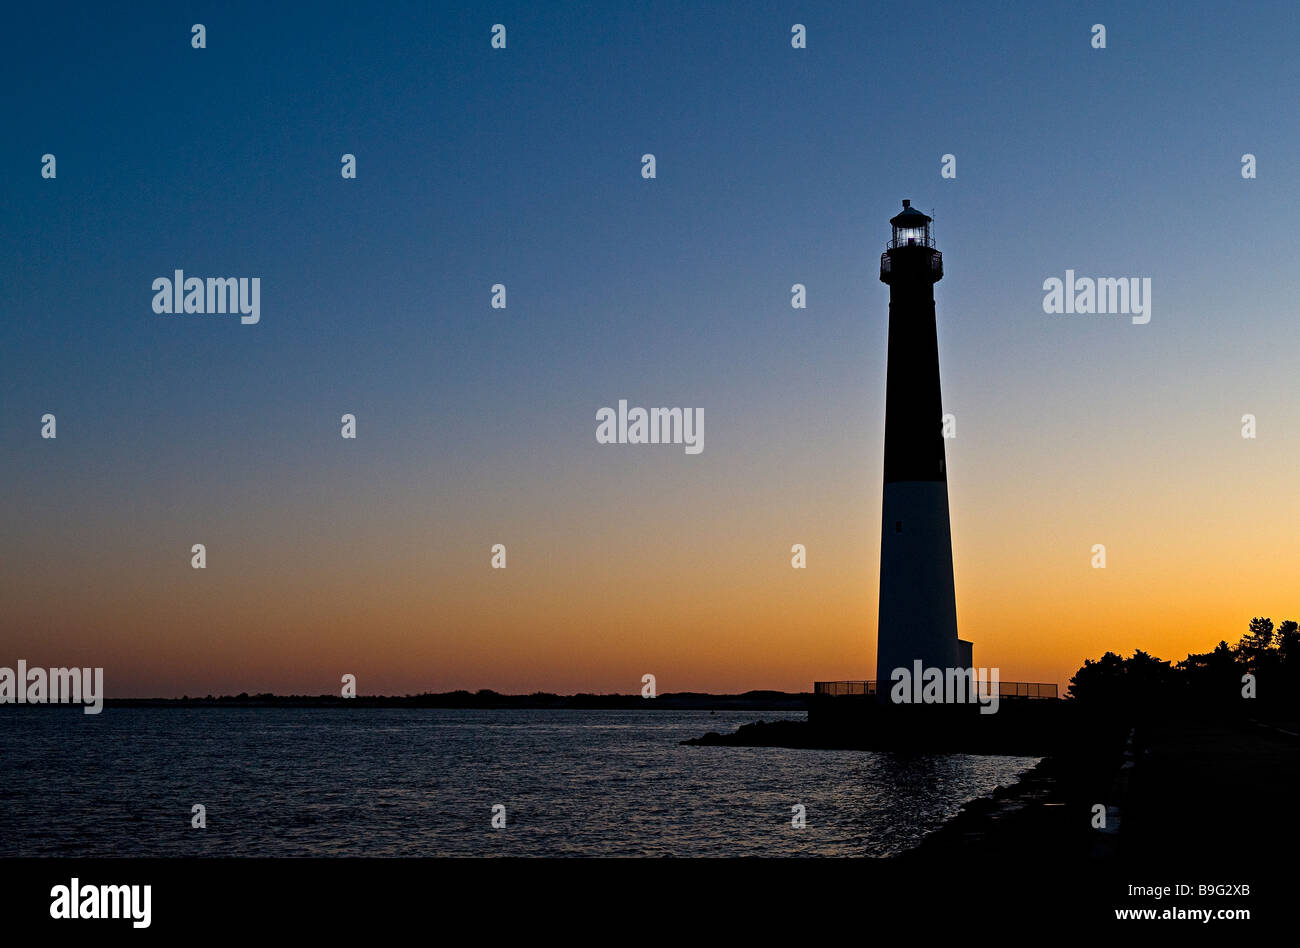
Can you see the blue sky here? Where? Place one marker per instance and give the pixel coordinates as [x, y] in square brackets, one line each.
[522, 166]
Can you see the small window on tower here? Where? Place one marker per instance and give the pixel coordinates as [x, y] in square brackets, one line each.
[898, 526]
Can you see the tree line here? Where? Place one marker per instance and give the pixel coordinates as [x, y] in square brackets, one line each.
[1260, 674]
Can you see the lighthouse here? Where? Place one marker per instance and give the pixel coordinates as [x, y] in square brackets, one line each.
[918, 609]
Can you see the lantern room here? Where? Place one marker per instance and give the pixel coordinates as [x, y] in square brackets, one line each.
[911, 228]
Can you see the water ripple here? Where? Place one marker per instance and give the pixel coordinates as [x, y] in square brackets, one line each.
[379, 782]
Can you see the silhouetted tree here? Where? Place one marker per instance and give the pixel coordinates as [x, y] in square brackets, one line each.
[1255, 644]
[1100, 681]
[1147, 673]
[1288, 641]
[1212, 678]
[1124, 685]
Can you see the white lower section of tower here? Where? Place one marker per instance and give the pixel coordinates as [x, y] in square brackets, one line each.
[918, 608]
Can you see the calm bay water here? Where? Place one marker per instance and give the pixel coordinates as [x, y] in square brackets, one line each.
[375, 782]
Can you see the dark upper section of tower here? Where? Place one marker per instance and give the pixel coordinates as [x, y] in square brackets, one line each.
[914, 448]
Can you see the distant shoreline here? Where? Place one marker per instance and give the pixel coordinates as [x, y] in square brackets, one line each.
[678, 701]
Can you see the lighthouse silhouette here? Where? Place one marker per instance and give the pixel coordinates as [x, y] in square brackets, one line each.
[918, 609]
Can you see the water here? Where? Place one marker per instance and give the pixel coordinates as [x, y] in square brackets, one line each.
[378, 782]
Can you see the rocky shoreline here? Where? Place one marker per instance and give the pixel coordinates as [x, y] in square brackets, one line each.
[1048, 809]
[1156, 782]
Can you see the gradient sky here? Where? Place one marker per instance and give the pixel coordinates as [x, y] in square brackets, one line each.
[477, 426]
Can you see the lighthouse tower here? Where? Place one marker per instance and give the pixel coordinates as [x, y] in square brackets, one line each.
[918, 609]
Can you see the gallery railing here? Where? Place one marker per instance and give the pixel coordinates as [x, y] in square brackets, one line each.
[1006, 689]
[887, 266]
